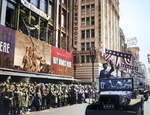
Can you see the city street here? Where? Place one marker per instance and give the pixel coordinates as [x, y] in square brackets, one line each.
[78, 109]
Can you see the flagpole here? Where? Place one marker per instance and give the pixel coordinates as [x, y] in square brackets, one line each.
[28, 31]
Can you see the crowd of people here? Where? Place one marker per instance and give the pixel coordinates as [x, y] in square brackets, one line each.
[20, 98]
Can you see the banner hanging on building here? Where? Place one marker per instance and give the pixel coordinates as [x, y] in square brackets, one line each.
[32, 55]
[62, 62]
[7, 47]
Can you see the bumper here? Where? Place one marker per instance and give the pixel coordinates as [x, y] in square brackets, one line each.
[108, 112]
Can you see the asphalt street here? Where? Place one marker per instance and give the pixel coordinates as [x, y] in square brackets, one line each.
[78, 109]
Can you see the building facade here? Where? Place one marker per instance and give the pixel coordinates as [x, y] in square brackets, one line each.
[96, 24]
[35, 37]
[53, 19]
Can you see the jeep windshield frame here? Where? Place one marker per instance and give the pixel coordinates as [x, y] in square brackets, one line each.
[116, 84]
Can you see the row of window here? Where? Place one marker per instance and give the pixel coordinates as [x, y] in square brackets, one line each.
[84, 59]
[86, 46]
[42, 5]
[88, 33]
[87, 9]
[87, 21]
[30, 18]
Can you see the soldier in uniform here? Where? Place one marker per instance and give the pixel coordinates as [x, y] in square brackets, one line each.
[6, 99]
[73, 95]
[49, 94]
[37, 99]
[31, 95]
[44, 94]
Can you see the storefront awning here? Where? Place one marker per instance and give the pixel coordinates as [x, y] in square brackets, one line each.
[11, 72]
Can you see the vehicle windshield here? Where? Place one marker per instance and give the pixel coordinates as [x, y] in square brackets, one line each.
[120, 84]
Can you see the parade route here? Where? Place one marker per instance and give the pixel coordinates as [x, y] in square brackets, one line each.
[77, 109]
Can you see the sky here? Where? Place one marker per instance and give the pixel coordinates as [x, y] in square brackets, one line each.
[135, 22]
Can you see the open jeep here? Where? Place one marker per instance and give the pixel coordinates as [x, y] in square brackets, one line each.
[117, 97]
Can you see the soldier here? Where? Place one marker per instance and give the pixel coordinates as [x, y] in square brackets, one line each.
[37, 99]
[6, 99]
[73, 95]
[31, 96]
[44, 94]
[53, 96]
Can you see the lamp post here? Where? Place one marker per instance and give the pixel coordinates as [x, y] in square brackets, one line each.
[92, 55]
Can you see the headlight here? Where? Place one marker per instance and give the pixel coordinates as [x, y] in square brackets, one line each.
[124, 100]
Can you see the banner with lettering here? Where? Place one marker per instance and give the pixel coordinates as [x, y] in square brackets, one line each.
[7, 47]
[61, 61]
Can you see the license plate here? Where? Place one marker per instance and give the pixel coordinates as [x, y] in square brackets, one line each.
[109, 106]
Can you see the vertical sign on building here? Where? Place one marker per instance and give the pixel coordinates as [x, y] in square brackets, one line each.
[75, 34]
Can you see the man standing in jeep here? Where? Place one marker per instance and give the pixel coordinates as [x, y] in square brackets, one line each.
[105, 73]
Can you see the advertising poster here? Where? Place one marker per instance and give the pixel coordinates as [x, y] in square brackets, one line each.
[7, 47]
[62, 62]
[32, 54]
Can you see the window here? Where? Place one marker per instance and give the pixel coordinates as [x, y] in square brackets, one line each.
[92, 44]
[63, 1]
[74, 59]
[50, 10]
[87, 58]
[92, 33]
[43, 5]
[92, 21]
[83, 22]
[62, 20]
[88, 9]
[24, 14]
[43, 25]
[83, 34]
[63, 16]
[87, 46]
[83, 10]
[35, 2]
[34, 21]
[87, 33]
[10, 15]
[88, 21]
[92, 9]
[82, 59]
[82, 46]
[50, 37]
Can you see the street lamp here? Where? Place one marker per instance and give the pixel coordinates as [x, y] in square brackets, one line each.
[148, 56]
[92, 55]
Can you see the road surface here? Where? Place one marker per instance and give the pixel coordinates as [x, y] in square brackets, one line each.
[78, 109]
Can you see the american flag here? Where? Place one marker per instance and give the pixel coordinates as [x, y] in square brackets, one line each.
[120, 57]
[131, 70]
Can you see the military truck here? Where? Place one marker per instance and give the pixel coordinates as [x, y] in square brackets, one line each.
[117, 97]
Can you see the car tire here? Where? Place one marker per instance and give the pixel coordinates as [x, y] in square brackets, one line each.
[139, 109]
[146, 96]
